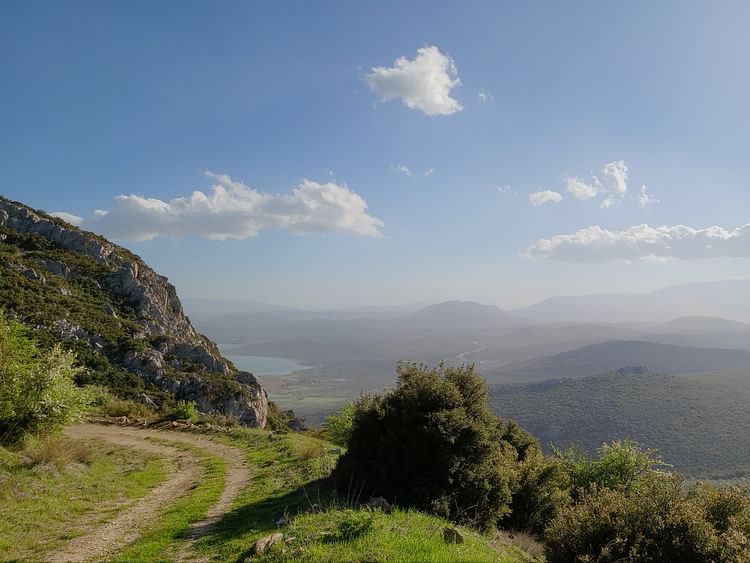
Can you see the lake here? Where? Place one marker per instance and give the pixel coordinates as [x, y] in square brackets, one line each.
[261, 365]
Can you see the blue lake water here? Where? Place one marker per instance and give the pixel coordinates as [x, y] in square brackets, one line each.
[261, 365]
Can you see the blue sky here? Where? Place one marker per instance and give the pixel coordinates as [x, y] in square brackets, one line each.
[302, 114]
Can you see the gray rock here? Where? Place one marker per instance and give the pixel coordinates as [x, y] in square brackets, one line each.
[263, 544]
[297, 424]
[146, 401]
[57, 268]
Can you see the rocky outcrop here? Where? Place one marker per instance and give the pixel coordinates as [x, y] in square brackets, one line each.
[165, 349]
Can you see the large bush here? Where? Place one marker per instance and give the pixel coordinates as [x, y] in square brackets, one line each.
[431, 443]
[659, 520]
[37, 393]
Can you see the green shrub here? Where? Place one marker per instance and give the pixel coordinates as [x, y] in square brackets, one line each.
[338, 427]
[185, 410]
[538, 493]
[276, 418]
[37, 392]
[431, 444]
[618, 465]
[660, 520]
[105, 403]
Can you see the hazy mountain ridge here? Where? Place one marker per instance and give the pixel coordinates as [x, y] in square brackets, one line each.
[727, 299]
[609, 356]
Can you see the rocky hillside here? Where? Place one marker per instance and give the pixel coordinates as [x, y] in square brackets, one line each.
[124, 321]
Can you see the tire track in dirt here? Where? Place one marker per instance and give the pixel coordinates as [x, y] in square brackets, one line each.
[184, 472]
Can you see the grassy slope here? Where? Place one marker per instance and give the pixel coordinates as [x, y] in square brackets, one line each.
[700, 424]
[287, 479]
[69, 499]
[399, 536]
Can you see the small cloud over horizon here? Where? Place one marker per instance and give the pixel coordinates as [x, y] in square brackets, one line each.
[644, 243]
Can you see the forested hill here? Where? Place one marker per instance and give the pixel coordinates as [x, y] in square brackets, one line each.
[123, 320]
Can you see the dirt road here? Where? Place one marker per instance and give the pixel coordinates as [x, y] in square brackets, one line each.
[183, 470]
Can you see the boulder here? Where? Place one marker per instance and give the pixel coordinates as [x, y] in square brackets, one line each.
[264, 544]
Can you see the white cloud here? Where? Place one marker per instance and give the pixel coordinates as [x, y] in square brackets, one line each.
[547, 196]
[485, 97]
[579, 189]
[424, 83]
[645, 243]
[69, 217]
[235, 211]
[645, 199]
[400, 169]
[618, 171]
[504, 189]
[614, 192]
[429, 172]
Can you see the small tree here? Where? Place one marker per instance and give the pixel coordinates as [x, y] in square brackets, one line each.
[431, 443]
[37, 392]
[620, 464]
[338, 427]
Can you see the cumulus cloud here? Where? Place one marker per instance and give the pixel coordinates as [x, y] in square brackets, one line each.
[644, 198]
[579, 189]
[233, 210]
[614, 186]
[424, 83]
[645, 243]
[69, 217]
[428, 172]
[485, 97]
[400, 169]
[547, 196]
[618, 171]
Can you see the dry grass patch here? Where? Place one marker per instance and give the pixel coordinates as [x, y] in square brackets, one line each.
[55, 451]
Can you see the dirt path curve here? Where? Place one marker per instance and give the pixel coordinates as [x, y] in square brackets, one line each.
[184, 471]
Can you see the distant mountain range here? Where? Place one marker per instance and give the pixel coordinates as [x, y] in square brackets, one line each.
[457, 315]
[610, 356]
[729, 299]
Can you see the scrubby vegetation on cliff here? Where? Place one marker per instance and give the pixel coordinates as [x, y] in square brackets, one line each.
[123, 321]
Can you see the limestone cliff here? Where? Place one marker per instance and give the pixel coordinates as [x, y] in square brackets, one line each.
[121, 317]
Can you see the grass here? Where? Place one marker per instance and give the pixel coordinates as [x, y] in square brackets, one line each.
[37, 487]
[362, 535]
[287, 478]
[170, 529]
[281, 483]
